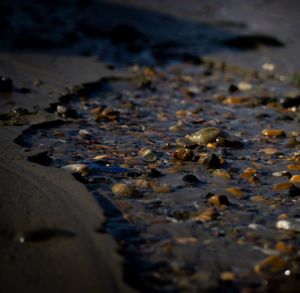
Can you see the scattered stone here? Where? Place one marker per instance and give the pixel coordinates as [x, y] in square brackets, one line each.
[295, 180]
[222, 173]
[258, 198]
[268, 67]
[183, 154]
[207, 215]
[289, 188]
[244, 86]
[288, 225]
[285, 248]
[235, 100]
[186, 240]
[273, 133]
[149, 155]
[163, 188]
[84, 133]
[105, 114]
[210, 161]
[228, 276]
[282, 173]
[294, 167]
[205, 135]
[272, 264]
[82, 169]
[269, 151]
[6, 84]
[190, 178]
[237, 192]
[123, 189]
[219, 200]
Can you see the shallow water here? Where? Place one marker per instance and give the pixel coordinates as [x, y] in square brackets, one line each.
[166, 247]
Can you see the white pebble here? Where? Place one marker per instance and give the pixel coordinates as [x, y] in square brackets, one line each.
[283, 224]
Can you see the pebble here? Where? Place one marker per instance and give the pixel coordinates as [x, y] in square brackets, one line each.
[219, 200]
[273, 133]
[282, 173]
[222, 173]
[295, 180]
[149, 155]
[123, 189]
[228, 276]
[288, 225]
[234, 100]
[65, 112]
[205, 135]
[285, 248]
[268, 67]
[210, 161]
[6, 84]
[207, 215]
[269, 151]
[272, 264]
[190, 178]
[288, 188]
[244, 86]
[84, 133]
[183, 154]
[237, 192]
[294, 167]
[77, 168]
[163, 188]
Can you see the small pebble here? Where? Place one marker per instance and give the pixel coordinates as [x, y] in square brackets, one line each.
[272, 264]
[237, 192]
[210, 161]
[244, 86]
[207, 215]
[149, 155]
[183, 154]
[233, 100]
[205, 135]
[123, 189]
[222, 173]
[273, 133]
[228, 276]
[282, 173]
[84, 133]
[77, 168]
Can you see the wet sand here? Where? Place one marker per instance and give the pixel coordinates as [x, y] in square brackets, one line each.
[52, 230]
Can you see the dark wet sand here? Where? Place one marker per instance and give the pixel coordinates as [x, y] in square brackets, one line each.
[50, 226]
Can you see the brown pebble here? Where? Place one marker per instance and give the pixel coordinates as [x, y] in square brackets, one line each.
[123, 189]
[222, 173]
[237, 192]
[285, 248]
[294, 167]
[273, 132]
[234, 100]
[207, 215]
[282, 186]
[183, 154]
[163, 188]
[270, 265]
[296, 180]
[228, 276]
